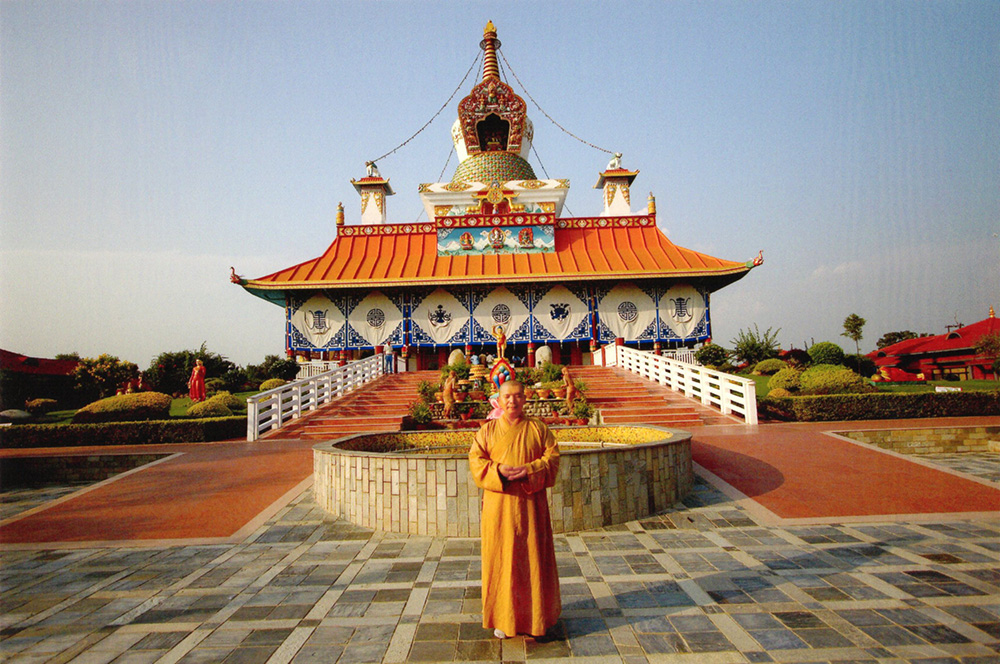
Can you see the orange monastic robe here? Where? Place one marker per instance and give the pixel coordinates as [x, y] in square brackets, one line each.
[520, 579]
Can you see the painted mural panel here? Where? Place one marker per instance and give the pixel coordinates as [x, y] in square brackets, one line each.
[561, 313]
[470, 241]
[376, 320]
[317, 322]
[626, 311]
[440, 318]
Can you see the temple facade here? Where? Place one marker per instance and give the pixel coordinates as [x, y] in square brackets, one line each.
[497, 258]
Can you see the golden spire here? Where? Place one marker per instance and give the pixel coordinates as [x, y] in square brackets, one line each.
[340, 214]
[992, 315]
[490, 44]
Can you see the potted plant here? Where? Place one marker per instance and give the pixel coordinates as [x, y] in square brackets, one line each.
[420, 412]
[543, 392]
[529, 393]
[582, 411]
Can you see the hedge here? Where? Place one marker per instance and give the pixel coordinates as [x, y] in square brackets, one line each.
[880, 406]
[150, 432]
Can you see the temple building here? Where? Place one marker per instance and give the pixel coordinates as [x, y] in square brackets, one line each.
[497, 257]
[952, 354]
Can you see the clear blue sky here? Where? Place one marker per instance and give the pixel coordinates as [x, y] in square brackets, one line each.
[147, 146]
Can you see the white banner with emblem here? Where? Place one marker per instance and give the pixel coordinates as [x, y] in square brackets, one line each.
[318, 320]
[558, 313]
[438, 318]
[375, 317]
[503, 308]
[627, 311]
[682, 308]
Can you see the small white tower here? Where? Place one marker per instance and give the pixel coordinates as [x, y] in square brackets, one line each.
[616, 181]
[373, 189]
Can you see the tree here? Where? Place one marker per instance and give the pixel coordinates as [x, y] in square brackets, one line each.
[101, 377]
[711, 355]
[170, 371]
[853, 325]
[750, 347]
[989, 346]
[890, 338]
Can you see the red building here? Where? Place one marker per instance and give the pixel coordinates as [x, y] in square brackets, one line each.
[951, 354]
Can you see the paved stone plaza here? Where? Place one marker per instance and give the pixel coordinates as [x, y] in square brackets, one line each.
[706, 582]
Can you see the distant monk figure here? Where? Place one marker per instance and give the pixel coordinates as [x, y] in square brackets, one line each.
[196, 384]
[514, 459]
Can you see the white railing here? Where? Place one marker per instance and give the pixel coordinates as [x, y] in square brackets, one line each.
[275, 408]
[730, 394]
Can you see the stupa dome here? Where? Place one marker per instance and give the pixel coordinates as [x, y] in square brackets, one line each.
[489, 166]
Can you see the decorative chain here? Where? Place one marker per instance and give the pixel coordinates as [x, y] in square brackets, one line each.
[596, 147]
[433, 117]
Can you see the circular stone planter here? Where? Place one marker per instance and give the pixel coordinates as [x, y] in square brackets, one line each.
[419, 483]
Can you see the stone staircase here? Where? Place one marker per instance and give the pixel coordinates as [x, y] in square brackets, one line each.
[622, 398]
[378, 406]
[625, 398]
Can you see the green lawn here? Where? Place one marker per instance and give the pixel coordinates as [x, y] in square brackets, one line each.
[178, 408]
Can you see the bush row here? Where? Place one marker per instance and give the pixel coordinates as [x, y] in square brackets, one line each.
[879, 406]
[123, 433]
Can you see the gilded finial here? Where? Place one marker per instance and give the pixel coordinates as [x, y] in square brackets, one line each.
[340, 214]
[651, 205]
[489, 28]
[490, 44]
[992, 315]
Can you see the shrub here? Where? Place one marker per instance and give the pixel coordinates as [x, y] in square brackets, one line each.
[40, 406]
[272, 383]
[582, 410]
[826, 352]
[551, 372]
[778, 393]
[787, 379]
[824, 380]
[426, 390]
[711, 355]
[881, 406]
[861, 364]
[230, 401]
[769, 367]
[126, 408]
[215, 385]
[153, 432]
[752, 346]
[210, 408]
[796, 357]
[420, 412]
[461, 370]
[272, 367]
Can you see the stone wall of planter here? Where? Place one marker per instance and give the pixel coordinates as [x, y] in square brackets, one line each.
[929, 441]
[643, 472]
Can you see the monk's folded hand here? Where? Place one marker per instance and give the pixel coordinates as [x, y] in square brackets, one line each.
[511, 473]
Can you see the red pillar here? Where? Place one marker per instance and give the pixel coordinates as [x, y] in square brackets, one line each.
[531, 354]
[556, 353]
[575, 354]
[443, 356]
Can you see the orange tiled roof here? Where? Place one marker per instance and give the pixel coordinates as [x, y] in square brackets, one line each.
[411, 259]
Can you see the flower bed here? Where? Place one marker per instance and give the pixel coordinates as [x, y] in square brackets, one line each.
[418, 483]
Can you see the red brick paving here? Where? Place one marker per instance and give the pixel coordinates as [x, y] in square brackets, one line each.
[798, 471]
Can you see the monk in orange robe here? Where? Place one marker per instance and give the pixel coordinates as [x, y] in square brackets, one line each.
[514, 459]
[196, 384]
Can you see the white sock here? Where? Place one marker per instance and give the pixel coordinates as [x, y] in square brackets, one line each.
[499, 634]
